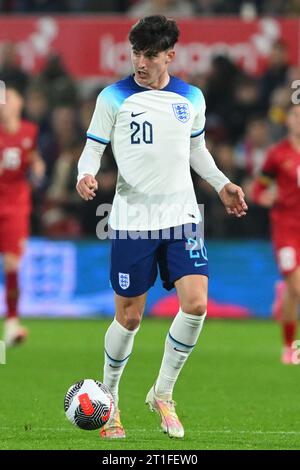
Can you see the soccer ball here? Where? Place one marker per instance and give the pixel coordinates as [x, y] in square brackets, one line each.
[89, 404]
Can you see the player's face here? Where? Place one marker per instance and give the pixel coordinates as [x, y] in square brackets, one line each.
[13, 106]
[293, 121]
[151, 71]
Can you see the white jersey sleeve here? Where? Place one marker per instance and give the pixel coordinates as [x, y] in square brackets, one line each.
[200, 107]
[98, 134]
[103, 118]
[90, 159]
[204, 165]
[201, 160]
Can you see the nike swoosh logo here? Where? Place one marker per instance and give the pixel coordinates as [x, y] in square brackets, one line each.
[179, 350]
[137, 114]
[200, 264]
[192, 215]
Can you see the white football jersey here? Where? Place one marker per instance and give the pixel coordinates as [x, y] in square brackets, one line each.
[150, 132]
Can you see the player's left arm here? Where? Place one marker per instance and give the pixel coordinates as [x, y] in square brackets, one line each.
[204, 165]
[37, 167]
[264, 186]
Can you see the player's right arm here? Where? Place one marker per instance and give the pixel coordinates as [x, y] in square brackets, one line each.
[98, 136]
[263, 190]
[88, 167]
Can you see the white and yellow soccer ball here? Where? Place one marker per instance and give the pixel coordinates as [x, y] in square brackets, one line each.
[89, 404]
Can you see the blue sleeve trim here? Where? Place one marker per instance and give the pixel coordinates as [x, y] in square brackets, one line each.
[97, 139]
[196, 134]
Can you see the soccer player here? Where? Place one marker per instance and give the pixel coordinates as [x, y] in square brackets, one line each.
[18, 155]
[155, 123]
[282, 167]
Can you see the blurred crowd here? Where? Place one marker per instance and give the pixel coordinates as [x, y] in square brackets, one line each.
[244, 116]
[148, 7]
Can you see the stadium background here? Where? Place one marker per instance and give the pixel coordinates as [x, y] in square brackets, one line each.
[245, 57]
[245, 64]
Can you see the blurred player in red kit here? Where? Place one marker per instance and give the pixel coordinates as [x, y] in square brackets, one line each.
[18, 159]
[282, 167]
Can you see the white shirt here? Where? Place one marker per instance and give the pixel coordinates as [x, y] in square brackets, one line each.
[150, 133]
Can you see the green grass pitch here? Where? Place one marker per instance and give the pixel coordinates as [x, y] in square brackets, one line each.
[232, 394]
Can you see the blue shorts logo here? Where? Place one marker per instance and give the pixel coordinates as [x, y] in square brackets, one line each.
[181, 111]
[124, 280]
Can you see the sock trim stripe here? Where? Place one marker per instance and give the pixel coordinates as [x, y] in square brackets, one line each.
[181, 344]
[116, 360]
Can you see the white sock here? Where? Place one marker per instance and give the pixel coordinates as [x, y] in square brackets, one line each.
[118, 346]
[180, 341]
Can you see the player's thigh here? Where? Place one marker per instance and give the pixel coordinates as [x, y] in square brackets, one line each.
[11, 261]
[184, 264]
[292, 280]
[129, 310]
[192, 291]
[133, 266]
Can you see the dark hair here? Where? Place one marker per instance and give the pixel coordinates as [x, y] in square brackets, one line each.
[16, 86]
[154, 34]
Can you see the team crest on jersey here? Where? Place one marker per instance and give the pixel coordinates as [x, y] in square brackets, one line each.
[124, 280]
[181, 111]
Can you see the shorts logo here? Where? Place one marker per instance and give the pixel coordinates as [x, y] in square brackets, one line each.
[124, 280]
[181, 111]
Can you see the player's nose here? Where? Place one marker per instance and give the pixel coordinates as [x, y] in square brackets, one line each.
[141, 62]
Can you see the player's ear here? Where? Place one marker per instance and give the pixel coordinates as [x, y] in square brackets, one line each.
[170, 56]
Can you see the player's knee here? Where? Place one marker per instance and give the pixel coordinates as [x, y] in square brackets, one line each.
[197, 306]
[132, 317]
[294, 290]
[132, 322]
[11, 262]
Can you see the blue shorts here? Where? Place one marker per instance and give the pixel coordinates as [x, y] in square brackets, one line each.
[177, 252]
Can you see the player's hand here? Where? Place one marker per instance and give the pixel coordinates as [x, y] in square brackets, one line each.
[38, 169]
[86, 187]
[232, 197]
[267, 198]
